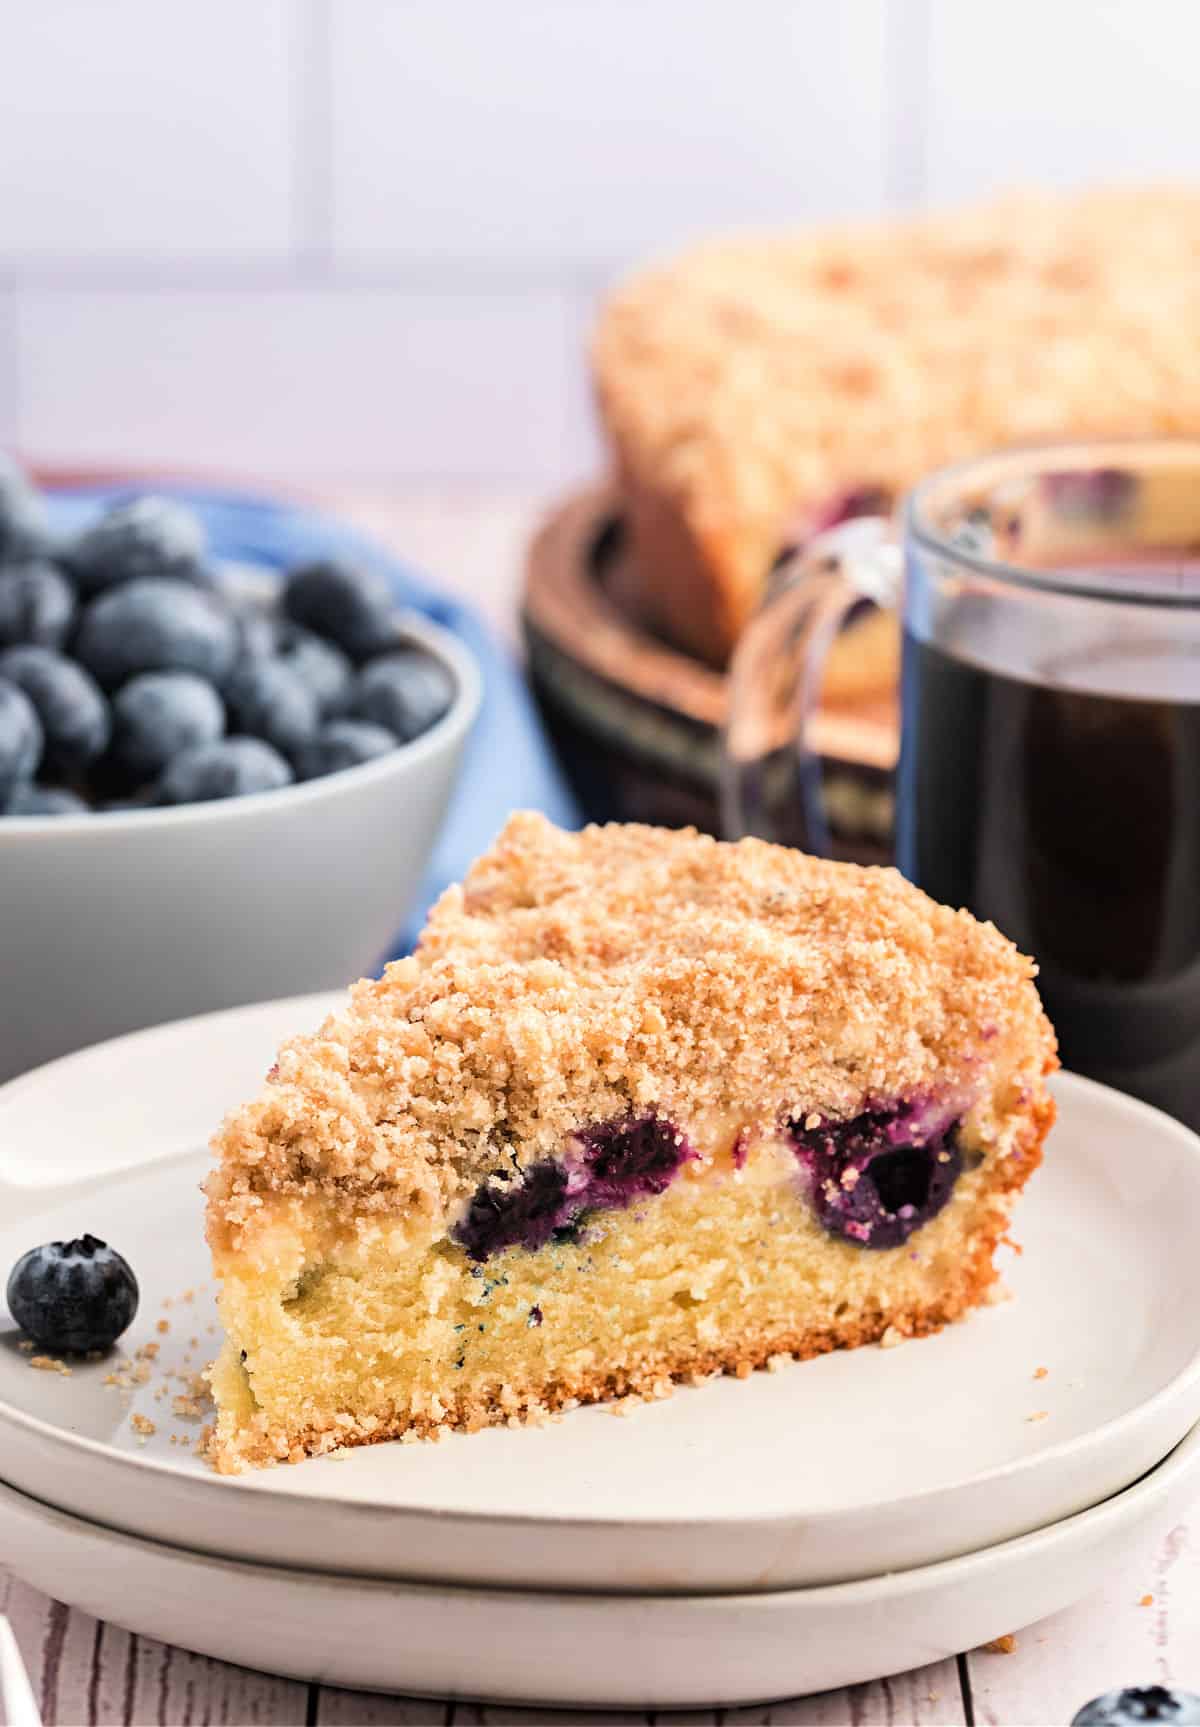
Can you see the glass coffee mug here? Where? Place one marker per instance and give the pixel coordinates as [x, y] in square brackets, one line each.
[1049, 773]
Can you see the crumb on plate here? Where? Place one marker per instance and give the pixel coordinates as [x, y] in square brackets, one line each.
[49, 1364]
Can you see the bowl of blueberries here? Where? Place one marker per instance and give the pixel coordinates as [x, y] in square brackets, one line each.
[215, 787]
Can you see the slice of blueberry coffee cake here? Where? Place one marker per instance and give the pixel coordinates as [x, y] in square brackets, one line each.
[643, 1106]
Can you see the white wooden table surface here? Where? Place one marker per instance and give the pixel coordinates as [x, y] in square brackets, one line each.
[1140, 1627]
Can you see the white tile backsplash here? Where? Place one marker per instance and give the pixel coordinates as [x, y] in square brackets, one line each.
[144, 128]
[9, 419]
[542, 132]
[306, 238]
[297, 382]
[1078, 90]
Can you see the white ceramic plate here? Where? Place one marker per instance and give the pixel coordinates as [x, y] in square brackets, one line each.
[584, 1650]
[839, 1468]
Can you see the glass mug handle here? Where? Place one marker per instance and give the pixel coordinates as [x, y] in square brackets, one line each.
[770, 778]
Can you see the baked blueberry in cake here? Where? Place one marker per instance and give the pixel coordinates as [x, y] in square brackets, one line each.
[643, 1106]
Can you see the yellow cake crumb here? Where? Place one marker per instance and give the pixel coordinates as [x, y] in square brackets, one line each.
[49, 1364]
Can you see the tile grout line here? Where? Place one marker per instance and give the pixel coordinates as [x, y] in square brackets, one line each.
[906, 28]
[10, 361]
[312, 143]
[452, 276]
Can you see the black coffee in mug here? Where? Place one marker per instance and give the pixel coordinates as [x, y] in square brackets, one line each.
[1049, 775]
[1067, 810]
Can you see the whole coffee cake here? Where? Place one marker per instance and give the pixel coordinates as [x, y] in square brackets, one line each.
[643, 1106]
[759, 388]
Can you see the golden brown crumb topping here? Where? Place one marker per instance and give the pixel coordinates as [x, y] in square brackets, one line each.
[578, 977]
[750, 378]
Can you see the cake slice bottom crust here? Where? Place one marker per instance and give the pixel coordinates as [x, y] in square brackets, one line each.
[346, 1328]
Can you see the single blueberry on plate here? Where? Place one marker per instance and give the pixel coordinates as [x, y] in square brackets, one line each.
[267, 699]
[342, 744]
[20, 739]
[1140, 1703]
[75, 718]
[73, 1295]
[324, 668]
[30, 800]
[407, 691]
[145, 537]
[156, 626]
[37, 604]
[351, 606]
[157, 715]
[233, 768]
[22, 515]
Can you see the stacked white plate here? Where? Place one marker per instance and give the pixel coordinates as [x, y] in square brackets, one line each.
[837, 1520]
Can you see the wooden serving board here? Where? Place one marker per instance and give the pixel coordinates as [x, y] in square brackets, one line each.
[637, 722]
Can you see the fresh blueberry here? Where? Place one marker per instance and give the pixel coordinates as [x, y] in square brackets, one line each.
[157, 715]
[118, 806]
[75, 717]
[323, 667]
[73, 1295]
[260, 636]
[342, 744]
[406, 691]
[267, 699]
[22, 515]
[156, 626]
[1140, 1703]
[132, 541]
[20, 739]
[30, 800]
[229, 769]
[37, 604]
[351, 606]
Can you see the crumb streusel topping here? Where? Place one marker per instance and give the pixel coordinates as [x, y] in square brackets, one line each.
[580, 977]
[752, 377]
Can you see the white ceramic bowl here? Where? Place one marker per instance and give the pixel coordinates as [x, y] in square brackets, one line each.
[115, 921]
